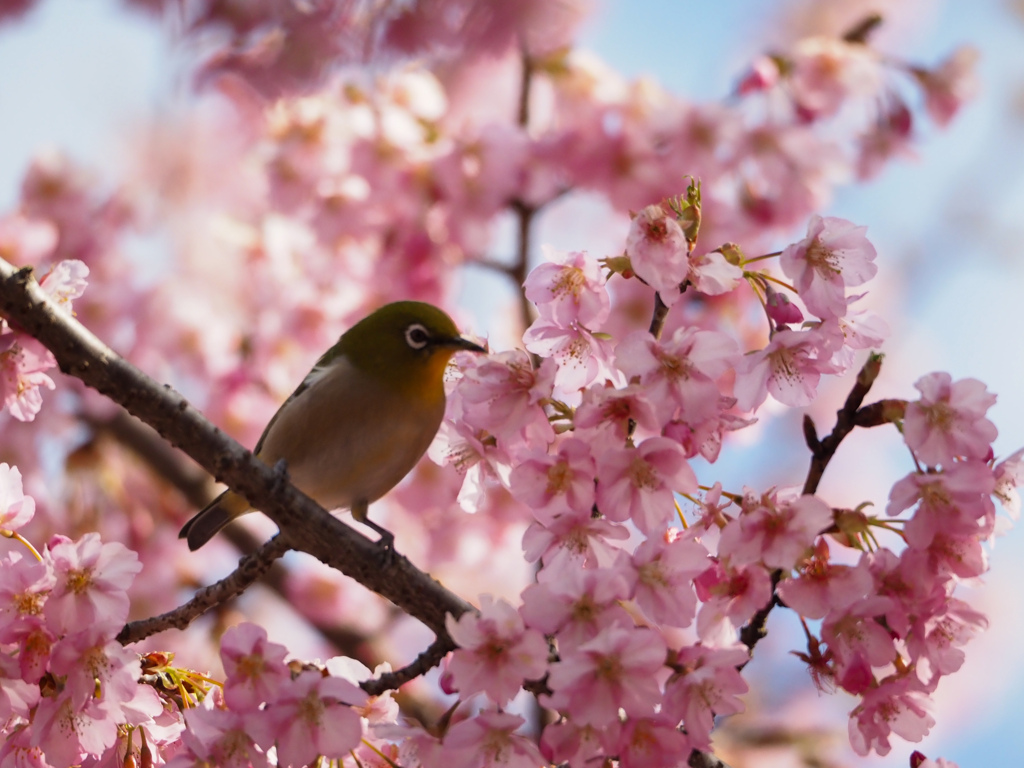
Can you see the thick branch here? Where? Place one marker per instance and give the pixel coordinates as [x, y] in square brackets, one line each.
[305, 525]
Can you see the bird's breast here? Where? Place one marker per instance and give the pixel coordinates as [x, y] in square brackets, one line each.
[351, 437]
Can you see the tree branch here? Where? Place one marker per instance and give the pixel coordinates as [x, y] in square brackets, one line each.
[304, 524]
[822, 450]
[250, 568]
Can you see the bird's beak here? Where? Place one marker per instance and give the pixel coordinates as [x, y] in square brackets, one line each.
[460, 343]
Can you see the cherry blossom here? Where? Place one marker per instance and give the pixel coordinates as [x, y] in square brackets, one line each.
[788, 369]
[312, 717]
[679, 375]
[835, 254]
[23, 361]
[569, 288]
[255, 668]
[91, 579]
[16, 509]
[658, 251]
[708, 685]
[637, 483]
[496, 653]
[490, 739]
[615, 670]
[774, 530]
[894, 706]
[949, 420]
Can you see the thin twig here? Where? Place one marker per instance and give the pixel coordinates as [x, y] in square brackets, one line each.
[423, 663]
[250, 568]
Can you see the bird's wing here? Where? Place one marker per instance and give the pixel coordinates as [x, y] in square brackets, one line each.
[312, 378]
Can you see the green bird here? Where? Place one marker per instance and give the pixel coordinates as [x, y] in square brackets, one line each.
[360, 420]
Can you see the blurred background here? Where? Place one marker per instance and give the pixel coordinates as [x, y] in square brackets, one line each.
[85, 76]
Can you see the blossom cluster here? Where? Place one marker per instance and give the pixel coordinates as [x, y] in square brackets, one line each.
[631, 417]
[23, 360]
[69, 689]
[72, 694]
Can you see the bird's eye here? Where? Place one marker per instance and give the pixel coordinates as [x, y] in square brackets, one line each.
[416, 336]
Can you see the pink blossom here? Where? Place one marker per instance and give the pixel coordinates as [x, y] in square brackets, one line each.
[949, 420]
[65, 281]
[313, 716]
[774, 531]
[616, 670]
[18, 751]
[496, 652]
[255, 670]
[858, 642]
[22, 362]
[678, 375]
[856, 330]
[713, 274]
[637, 483]
[955, 502]
[894, 706]
[730, 596]
[377, 710]
[575, 537]
[950, 85]
[762, 76]
[67, 730]
[889, 137]
[658, 251]
[582, 356]
[95, 666]
[1009, 474]
[223, 738]
[551, 484]
[665, 569]
[503, 394]
[835, 254]
[647, 742]
[569, 288]
[825, 71]
[490, 739]
[567, 741]
[910, 582]
[575, 604]
[92, 579]
[708, 686]
[17, 697]
[608, 412]
[789, 369]
[780, 309]
[16, 509]
[824, 586]
[934, 641]
[25, 584]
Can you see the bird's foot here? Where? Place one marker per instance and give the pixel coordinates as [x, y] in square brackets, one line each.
[386, 546]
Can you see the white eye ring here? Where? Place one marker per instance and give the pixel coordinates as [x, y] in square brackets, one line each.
[416, 336]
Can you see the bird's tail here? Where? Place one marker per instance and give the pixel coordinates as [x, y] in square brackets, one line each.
[211, 518]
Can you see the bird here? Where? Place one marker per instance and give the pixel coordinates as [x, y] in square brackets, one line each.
[360, 419]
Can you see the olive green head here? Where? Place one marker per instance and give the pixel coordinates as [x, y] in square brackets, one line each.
[407, 342]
